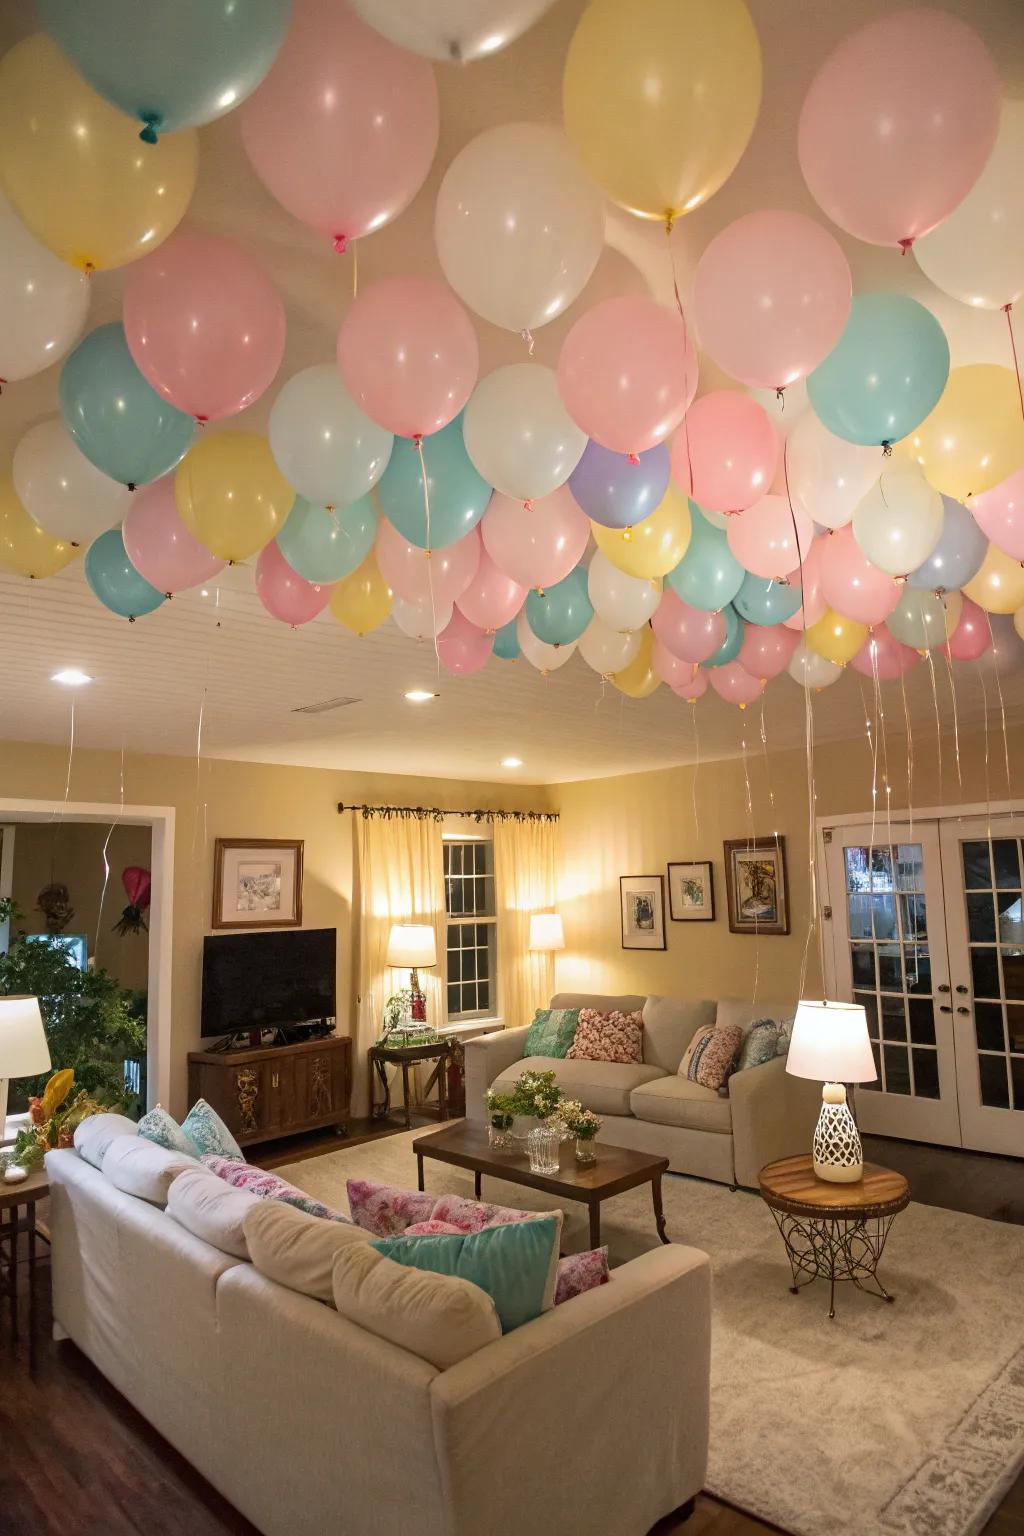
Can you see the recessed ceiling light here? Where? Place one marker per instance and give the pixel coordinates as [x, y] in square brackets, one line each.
[420, 696]
[71, 677]
[511, 762]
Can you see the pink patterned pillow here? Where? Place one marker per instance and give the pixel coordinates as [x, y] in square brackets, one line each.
[579, 1272]
[608, 1037]
[384, 1211]
[472, 1216]
[433, 1229]
[267, 1186]
[714, 1056]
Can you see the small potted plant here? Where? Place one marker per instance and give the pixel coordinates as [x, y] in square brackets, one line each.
[533, 1097]
[53, 1118]
[582, 1124]
[500, 1116]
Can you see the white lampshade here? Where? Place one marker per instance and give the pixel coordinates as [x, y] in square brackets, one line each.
[412, 945]
[546, 931]
[830, 1044]
[23, 1048]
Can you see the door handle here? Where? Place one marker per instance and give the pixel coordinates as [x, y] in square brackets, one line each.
[963, 989]
[945, 1008]
[942, 988]
[963, 1010]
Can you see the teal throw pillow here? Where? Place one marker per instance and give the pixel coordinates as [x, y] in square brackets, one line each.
[517, 1264]
[208, 1133]
[552, 1032]
[164, 1131]
[760, 1044]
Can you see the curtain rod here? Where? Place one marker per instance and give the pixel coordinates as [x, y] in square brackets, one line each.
[435, 813]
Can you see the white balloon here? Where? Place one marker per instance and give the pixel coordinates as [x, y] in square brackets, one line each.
[61, 490]
[623, 602]
[923, 619]
[323, 444]
[810, 670]
[519, 226]
[43, 301]
[451, 30]
[827, 475]
[606, 649]
[899, 522]
[421, 620]
[546, 658]
[518, 433]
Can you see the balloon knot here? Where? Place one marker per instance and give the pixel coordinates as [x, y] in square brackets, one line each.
[131, 618]
[528, 505]
[780, 394]
[670, 220]
[527, 336]
[417, 440]
[634, 458]
[905, 245]
[154, 122]
[1007, 308]
[201, 421]
[341, 244]
[887, 449]
[131, 485]
[2, 383]
[89, 267]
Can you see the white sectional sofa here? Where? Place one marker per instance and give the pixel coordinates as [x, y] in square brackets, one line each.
[728, 1137]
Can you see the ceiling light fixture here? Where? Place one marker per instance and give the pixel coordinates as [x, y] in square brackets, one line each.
[511, 762]
[71, 677]
[420, 696]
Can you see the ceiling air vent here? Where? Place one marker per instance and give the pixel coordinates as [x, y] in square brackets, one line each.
[324, 706]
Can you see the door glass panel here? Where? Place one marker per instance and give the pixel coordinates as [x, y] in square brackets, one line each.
[897, 1069]
[995, 1089]
[981, 918]
[1017, 1074]
[894, 1024]
[919, 970]
[1011, 924]
[1015, 1028]
[984, 972]
[922, 1021]
[862, 958]
[876, 1084]
[890, 968]
[988, 1026]
[869, 1003]
[1007, 863]
[997, 973]
[881, 869]
[926, 1074]
[859, 908]
[1013, 973]
[909, 867]
[912, 915]
[977, 867]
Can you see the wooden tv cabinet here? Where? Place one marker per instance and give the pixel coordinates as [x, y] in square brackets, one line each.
[276, 1090]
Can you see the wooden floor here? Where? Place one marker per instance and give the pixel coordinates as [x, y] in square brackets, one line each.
[75, 1457]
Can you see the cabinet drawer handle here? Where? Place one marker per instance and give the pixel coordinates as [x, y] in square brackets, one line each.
[274, 1080]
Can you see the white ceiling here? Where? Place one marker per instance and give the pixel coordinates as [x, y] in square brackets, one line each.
[153, 677]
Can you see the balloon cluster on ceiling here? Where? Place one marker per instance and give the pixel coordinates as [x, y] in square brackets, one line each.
[397, 482]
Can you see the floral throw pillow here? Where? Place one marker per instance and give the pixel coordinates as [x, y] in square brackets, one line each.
[267, 1186]
[208, 1133]
[384, 1211]
[714, 1055]
[579, 1272]
[163, 1130]
[760, 1045]
[474, 1215]
[608, 1037]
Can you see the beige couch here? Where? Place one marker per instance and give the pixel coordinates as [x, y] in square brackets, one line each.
[592, 1417]
[766, 1113]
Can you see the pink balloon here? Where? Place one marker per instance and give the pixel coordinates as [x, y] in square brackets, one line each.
[972, 636]
[691, 634]
[463, 647]
[891, 657]
[417, 577]
[343, 130]
[204, 324]
[492, 598]
[669, 667]
[407, 351]
[769, 538]
[627, 373]
[851, 584]
[736, 686]
[724, 456]
[159, 545]
[898, 123]
[767, 650]
[283, 593]
[999, 513]
[694, 689]
[771, 296]
[808, 577]
[539, 545]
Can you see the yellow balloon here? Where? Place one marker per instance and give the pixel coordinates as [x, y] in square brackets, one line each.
[836, 638]
[974, 438]
[1018, 622]
[24, 547]
[362, 600]
[660, 98]
[655, 546]
[999, 585]
[75, 168]
[231, 494]
[639, 679]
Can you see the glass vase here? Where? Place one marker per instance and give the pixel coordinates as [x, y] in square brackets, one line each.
[542, 1144]
[586, 1154]
[500, 1138]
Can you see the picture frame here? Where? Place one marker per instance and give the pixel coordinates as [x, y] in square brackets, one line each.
[691, 891]
[257, 882]
[642, 911]
[755, 881]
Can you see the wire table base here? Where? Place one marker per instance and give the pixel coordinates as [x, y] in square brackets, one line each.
[822, 1248]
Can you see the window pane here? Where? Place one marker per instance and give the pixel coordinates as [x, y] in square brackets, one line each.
[455, 898]
[897, 1069]
[922, 1021]
[862, 959]
[868, 1002]
[890, 970]
[483, 994]
[876, 1085]
[995, 1090]
[454, 965]
[1013, 973]
[1011, 925]
[988, 1026]
[985, 972]
[1017, 1073]
[894, 1024]
[909, 868]
[881, 869]
[859, 905]
[981, 919]
[912, 915]
[1007, 864]
[469, 965]
[857, 876]
[480, 894]
[918, 968]
[1015, 1028]
[926, 1074]
[453, 999]
[885, 917]
[977, 869]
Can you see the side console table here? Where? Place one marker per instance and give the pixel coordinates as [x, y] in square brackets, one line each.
[277, 1091]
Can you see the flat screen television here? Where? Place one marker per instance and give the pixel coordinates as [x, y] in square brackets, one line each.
[261, 980]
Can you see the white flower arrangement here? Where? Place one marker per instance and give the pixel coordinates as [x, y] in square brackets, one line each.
[579, 1122]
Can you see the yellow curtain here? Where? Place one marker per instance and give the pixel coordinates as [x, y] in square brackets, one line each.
[401, 880]
[524, 877]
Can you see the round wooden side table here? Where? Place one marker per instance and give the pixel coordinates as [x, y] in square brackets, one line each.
[833, 1231]
[15, 1198]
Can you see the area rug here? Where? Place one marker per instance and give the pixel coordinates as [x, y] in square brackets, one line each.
[902, 1420]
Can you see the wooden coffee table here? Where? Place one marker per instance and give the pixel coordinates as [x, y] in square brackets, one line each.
[617, 1169]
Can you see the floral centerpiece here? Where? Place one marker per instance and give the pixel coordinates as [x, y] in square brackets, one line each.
[582, 1124]
[53, 1119]
[534, 1096]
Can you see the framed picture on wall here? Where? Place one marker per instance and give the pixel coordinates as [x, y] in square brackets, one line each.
[755, 879]
[257, 883]
[642, 899]
[691, 892]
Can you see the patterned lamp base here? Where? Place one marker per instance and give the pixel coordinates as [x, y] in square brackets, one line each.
[837, 1152]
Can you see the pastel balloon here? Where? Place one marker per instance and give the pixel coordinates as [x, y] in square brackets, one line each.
[231, 494]
[899, 522]
[114, 580]
[620, 601]
[923, 619]
[771, 296]
[408, 354]
[655, 546]
[998, 586]
[283, 592]
[807, 580]
[343, 130]
[734, 683]
[767, 650]
[827, 475]
[783, 409]
[546, 658]
[972, 636]
[725, 455]
[416, 576]
[617, 490]
[44, 302]
[559, 614]
[731, 646]
[709, 575]
[957, 556]
[836, 637]
[607, 650]
[627, 372]
[74, 172]
[852, 584]
[452, 30]
[518, 433]
[506, 642]
[462, 647]
[61, 489]
[24, 547]
[422, 619]
[770, 537]
[886, 372]
[691, 634]
[536, 545]
[492, 599]
[323, 545]
[204, 324]
[671, 668]
[362, 601]
[518, 226]
[898, 124]
[883, 656]
[638, 679]
[812, 670]
[456, 493]
[660, 99]
[115, 416]
[694, 689]
[974, 438]
[169, 66]
[159, 545]
[324, 445]
[766, 601]
[999, 513]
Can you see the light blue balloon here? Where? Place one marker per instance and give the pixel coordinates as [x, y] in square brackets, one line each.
[169, 63]
[115, 581]
[885, 373]
[765, 600]
[458, 492]
[117, 419]
[959, 554]
[324, 546]
[709, 575]
[559, 614]
[730, 646]
[506, 642]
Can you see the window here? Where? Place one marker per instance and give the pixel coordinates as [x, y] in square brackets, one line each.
[472, 927]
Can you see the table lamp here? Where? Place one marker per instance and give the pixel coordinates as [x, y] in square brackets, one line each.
[413, 945]
[23, 1048]
[830, 1043]
[546, 931]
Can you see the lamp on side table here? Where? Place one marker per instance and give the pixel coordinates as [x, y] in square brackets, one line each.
[410, 946]
[830, 1044]
[23, 1048]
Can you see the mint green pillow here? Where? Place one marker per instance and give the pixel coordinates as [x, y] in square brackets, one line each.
[164, 1131]
[208, 1133]
[552, 1032]
[516, 1264]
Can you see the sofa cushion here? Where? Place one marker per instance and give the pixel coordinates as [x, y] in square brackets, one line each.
[94, 1135]
[670, 1023]
[579, 1272]
[603, 1086]
[677, 1101]
[473, 1215]
[715, 1056]
[208, 1208]
[296, 1249]
[628, 1003]
[741, 1011]
[267, 1186]
[208, 1133]
[441, 1318]
[160, 1127]
[140, 1168]
[382, 1210]
[552, 1032]
[760, 1044]
[611, 1036]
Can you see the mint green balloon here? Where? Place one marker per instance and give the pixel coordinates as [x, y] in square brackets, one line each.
[885, 373]
[323, 546]
[709, 575]
[458, 493]
[730, 646]
[765, 600]
[558, 615]
[506, 642]
[115, 581]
